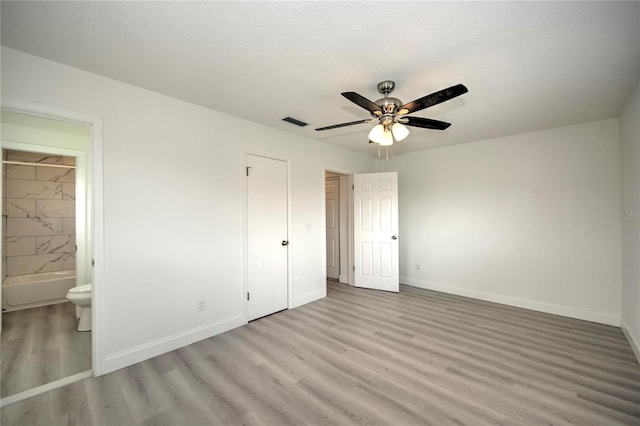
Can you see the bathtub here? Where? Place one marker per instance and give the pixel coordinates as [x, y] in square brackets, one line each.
[30, 291]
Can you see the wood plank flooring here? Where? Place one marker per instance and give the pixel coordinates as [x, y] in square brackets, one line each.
[41, 345]
[368, 357]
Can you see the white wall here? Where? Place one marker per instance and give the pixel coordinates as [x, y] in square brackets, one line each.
[175, 167]
[30, 129]
[630, 156]
[520, 220]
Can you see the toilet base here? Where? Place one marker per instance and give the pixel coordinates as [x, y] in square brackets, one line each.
[84, 323]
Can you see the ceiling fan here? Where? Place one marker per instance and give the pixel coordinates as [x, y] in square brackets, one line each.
[391, 113]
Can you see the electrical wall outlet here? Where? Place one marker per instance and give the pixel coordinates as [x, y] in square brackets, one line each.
[202, 305]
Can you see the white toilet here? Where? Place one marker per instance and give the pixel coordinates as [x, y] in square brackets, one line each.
[81, 297]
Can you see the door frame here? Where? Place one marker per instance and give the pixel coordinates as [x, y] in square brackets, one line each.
[349, 175]
[245, 233]
[94, 203]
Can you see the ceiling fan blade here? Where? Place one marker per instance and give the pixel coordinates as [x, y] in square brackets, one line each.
[363, 102]
[433, 99]
[425, 123]
[351, 123]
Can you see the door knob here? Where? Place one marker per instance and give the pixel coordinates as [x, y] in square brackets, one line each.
[285, 243]
[393, 237]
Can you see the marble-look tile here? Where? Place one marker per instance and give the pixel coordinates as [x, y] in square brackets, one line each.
[24, 227]
[19, 171]
[68, 191]
[20, 246]
[20, 207]
[20, 265]
[69, 225]
[33, 157]
[37, 199]
[55, 174]
[68, 261]
[17, 188]
[55, 244]
[55, 208]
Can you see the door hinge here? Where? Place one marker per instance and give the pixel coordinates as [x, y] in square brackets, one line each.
[93, 262]
[76, 246]
[353, 187]
[248, 167]
[247, 295]
[354, 268]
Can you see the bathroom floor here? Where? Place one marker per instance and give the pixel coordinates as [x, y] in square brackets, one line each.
[41, 345]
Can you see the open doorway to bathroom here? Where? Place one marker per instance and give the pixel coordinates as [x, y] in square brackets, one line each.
[44, 250]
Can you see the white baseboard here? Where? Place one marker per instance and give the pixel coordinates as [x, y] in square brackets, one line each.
[634, 341]
[344, 279]
[149, 350]
[299, 301]
[564, 311]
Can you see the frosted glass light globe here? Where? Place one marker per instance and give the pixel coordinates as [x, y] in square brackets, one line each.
[399, 131]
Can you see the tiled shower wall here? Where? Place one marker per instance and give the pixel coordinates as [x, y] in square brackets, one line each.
[39, 211]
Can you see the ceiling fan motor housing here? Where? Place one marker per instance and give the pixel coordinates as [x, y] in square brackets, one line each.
[389, 105]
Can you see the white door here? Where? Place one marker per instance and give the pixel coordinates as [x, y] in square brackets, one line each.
[267, 236]
[376, 231]
[332, 199]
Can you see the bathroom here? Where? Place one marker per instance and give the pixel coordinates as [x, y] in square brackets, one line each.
[43, 253]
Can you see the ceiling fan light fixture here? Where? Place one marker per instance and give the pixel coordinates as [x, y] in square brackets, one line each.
[387, 137]
[399, 131]
[390, 113]
[376, 134]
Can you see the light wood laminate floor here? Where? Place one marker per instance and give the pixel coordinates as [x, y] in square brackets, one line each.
[41, 345]
[369, 357]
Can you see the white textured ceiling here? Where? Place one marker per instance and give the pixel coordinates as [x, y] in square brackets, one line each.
[528, 65]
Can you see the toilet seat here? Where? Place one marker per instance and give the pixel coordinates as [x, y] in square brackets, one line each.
[81, 289]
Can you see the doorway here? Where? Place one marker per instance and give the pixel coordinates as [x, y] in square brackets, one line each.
[55, 154]
[40, 343]
[367, 229]
[338, 226]
[332, 210]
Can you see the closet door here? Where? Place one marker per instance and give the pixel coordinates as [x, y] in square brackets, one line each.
[267, 236]
[332, 210]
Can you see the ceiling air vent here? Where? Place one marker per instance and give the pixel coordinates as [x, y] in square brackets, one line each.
[294, 121]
